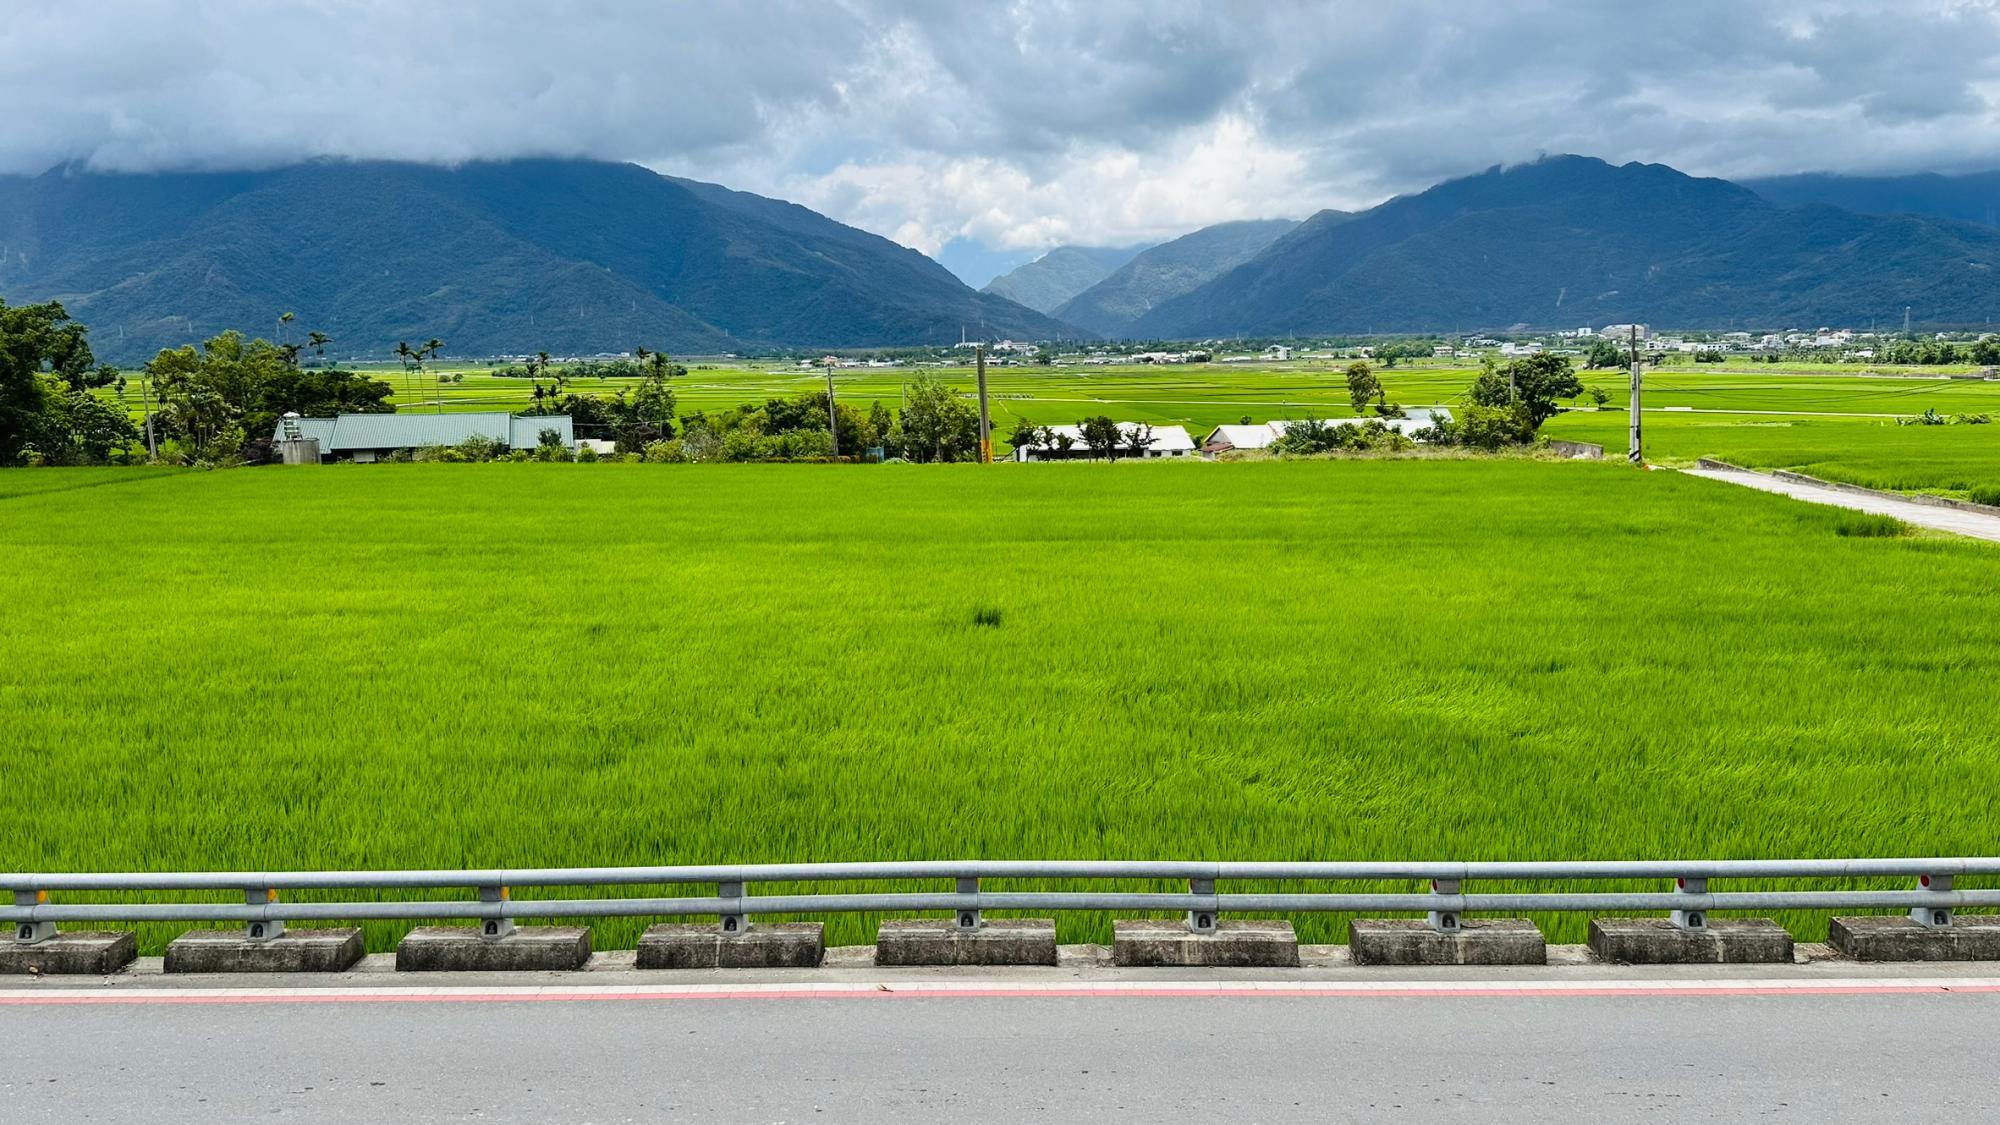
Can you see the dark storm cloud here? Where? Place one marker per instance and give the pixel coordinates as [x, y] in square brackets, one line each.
[1015, 124]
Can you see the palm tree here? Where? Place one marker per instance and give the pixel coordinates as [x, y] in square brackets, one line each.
[411, 362]
[431, 349]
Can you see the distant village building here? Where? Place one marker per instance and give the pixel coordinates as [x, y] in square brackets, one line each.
[1165, 441]
[370, 437]
[1279, 352]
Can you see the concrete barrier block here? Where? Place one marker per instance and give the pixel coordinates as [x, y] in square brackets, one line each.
[329, 950]
[1478, 941]
[1244, 943]
[764, 945]
[1657, 941]
[938, 941]
[71, 952]
[1896, 938]
[461, 949]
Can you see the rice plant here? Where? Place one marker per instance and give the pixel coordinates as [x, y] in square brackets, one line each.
[454, 666]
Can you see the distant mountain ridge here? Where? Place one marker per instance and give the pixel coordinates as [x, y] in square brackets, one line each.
[1166, 271]
[502, 257]
[1060, 274]
[1571, 240]
[1969, 198]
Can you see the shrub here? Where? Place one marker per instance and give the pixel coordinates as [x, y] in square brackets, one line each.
[587, 455]
[1303, 439]
[1490, 427]
[478, 447]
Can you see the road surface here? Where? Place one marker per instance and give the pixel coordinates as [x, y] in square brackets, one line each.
[1977, 525]
[1516, 1048]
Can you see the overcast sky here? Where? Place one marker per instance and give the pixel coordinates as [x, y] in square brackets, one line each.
[991, 131]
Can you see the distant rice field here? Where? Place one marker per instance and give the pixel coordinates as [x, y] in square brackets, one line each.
[443, 665]
[1836, 421]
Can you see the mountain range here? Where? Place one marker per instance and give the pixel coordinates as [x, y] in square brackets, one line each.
[580, 257]
[494, 258]
[1571, 240]
[1113, 305]
[1969, 198]
[1060, 274]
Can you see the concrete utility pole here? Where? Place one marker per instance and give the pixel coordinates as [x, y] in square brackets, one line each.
[1634, 455]
[832, 419]
[146, 403]
[985, 419]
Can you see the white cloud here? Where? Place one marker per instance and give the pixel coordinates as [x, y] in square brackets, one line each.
[1208, 173]
[1017, 125]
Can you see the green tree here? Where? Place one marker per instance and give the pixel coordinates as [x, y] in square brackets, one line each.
[1139, 439]
[1604, 353]
[1101, 435]
[1535, 383]
[233, 391]
[937, 424]
[39, 345]
[1025, 435]
[1490, 427]
[1362, 385]
[48, 411]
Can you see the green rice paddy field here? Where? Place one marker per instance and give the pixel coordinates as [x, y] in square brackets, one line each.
[473, 665]
[1838, 423]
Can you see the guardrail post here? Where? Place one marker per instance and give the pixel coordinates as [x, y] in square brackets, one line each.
[29, 933]
[732, 923]
[1443, 921]
[969, 919]
[1932, 917]
[1695, 919]
[267, 929]
[494, 928]
[1200, 920]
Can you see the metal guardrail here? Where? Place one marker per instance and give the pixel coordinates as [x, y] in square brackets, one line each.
[1931, 902]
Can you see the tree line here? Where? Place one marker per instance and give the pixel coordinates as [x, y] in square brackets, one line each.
[217, 404]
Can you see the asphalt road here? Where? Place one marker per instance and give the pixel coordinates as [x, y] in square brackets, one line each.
[1582, 1056]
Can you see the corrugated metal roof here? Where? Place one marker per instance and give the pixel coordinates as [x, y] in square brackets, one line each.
[526, 433]
[319, 428]
[1164, 438]
[351, 432]
[414, 431]
[1243, 437]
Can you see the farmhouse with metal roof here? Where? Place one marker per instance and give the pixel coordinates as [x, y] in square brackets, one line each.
[367, 437]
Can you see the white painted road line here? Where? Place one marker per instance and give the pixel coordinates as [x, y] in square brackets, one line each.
[989, 990]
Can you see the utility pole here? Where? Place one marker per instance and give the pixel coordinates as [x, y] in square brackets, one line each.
[985, 419]
[832, 420]
[1634, 455]
[1906, 320]
[146, 402]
